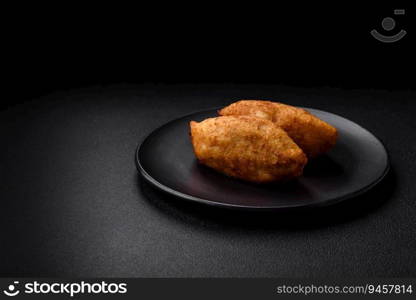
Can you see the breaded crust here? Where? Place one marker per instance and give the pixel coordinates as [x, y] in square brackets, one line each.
[313, 135]
[248, 148]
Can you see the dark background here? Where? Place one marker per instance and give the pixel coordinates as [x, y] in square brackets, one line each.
[83, 85]
[54, 48]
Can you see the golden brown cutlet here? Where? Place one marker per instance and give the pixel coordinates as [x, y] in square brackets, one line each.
[248, 148]
[313, 135]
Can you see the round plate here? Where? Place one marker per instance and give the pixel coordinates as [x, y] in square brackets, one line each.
[356, 164]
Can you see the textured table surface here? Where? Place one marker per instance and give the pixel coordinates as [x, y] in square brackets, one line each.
[73, 204]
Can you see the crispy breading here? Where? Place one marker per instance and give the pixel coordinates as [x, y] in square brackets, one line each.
[248, 148]
[313, 135]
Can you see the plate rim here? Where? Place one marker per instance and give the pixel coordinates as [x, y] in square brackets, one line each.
[191, 198]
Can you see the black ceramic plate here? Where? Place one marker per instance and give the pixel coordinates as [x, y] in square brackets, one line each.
[356, 164]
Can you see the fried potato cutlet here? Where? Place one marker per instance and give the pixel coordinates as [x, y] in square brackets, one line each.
[313, 135]
[248, 148]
